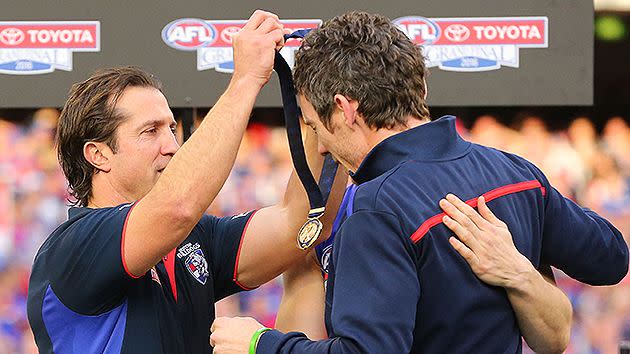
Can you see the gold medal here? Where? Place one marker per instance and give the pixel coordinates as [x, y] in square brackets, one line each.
[309, 233]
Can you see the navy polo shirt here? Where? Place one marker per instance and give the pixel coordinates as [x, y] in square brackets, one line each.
[82, 300]
[396, 285]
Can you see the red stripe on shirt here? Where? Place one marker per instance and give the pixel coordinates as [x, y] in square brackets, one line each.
[169, 260]
[122, 244]
[238, 254]
[493, 194]
[169, 265]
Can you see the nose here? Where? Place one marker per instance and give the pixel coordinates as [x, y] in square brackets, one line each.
[169, 144]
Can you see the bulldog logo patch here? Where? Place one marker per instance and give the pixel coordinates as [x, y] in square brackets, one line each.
[197, 266]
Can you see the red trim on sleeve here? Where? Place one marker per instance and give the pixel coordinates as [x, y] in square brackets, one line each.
[122, 243]
[493, 194]
[238, 254]
[169, 264]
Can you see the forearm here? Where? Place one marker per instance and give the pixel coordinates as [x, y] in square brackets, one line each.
[543, 312]
[197, 172]
[302, 305]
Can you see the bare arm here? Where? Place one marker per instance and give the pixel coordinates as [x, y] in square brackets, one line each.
[542, 310]
[270, 245]
[302, 307]
[196, 173]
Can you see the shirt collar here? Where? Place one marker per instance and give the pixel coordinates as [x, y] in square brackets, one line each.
[437, 140]
[76, 211]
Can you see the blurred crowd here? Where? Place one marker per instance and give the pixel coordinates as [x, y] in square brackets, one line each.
[589, 166]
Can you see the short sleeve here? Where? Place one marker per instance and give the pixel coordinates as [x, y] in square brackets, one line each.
[223, 237]
[85, 266]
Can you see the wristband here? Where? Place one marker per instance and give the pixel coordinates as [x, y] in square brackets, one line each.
[255, 338]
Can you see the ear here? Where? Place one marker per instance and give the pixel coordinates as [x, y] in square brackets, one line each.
[426, 89]
[97, 155]
[349, 109]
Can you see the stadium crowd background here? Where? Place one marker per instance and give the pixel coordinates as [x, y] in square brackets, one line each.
[586, 163]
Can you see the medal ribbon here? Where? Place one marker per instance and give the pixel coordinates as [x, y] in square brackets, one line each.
[317, 194]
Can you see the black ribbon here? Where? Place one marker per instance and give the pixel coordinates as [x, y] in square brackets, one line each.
[317, 194]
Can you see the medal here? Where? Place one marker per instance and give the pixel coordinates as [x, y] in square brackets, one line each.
[309, 233]
[312, 228]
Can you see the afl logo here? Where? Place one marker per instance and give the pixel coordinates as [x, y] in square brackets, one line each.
[11, 36]
[189, 34]
[457, 33]
[420, 30]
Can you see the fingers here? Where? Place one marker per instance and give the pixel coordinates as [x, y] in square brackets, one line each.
[487, 214]
[464, 251]
[216, 323]
[269, 25]
[456, 214]
[467, 210]
[277, 36]
[254, 47]
[465, 235]
[258, 18]
[213, 328]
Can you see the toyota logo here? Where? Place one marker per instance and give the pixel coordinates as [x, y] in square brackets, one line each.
[457, 33]
[11, 36]
[228, 32]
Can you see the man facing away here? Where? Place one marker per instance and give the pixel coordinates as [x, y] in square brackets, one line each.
[397, 282]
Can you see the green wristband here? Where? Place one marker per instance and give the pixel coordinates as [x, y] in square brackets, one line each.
[255, 338]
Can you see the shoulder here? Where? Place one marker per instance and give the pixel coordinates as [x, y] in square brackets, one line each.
[87, 224]
[386, 192]
[492, 154]
[101, 220]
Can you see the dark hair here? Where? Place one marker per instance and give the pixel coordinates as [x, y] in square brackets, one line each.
[90, 115]
[366, 58]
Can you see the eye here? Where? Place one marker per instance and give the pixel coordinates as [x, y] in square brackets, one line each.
[151, 130]
[173, 129]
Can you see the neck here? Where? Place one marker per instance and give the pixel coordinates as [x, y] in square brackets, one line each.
[104, 194]
[374, 137]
